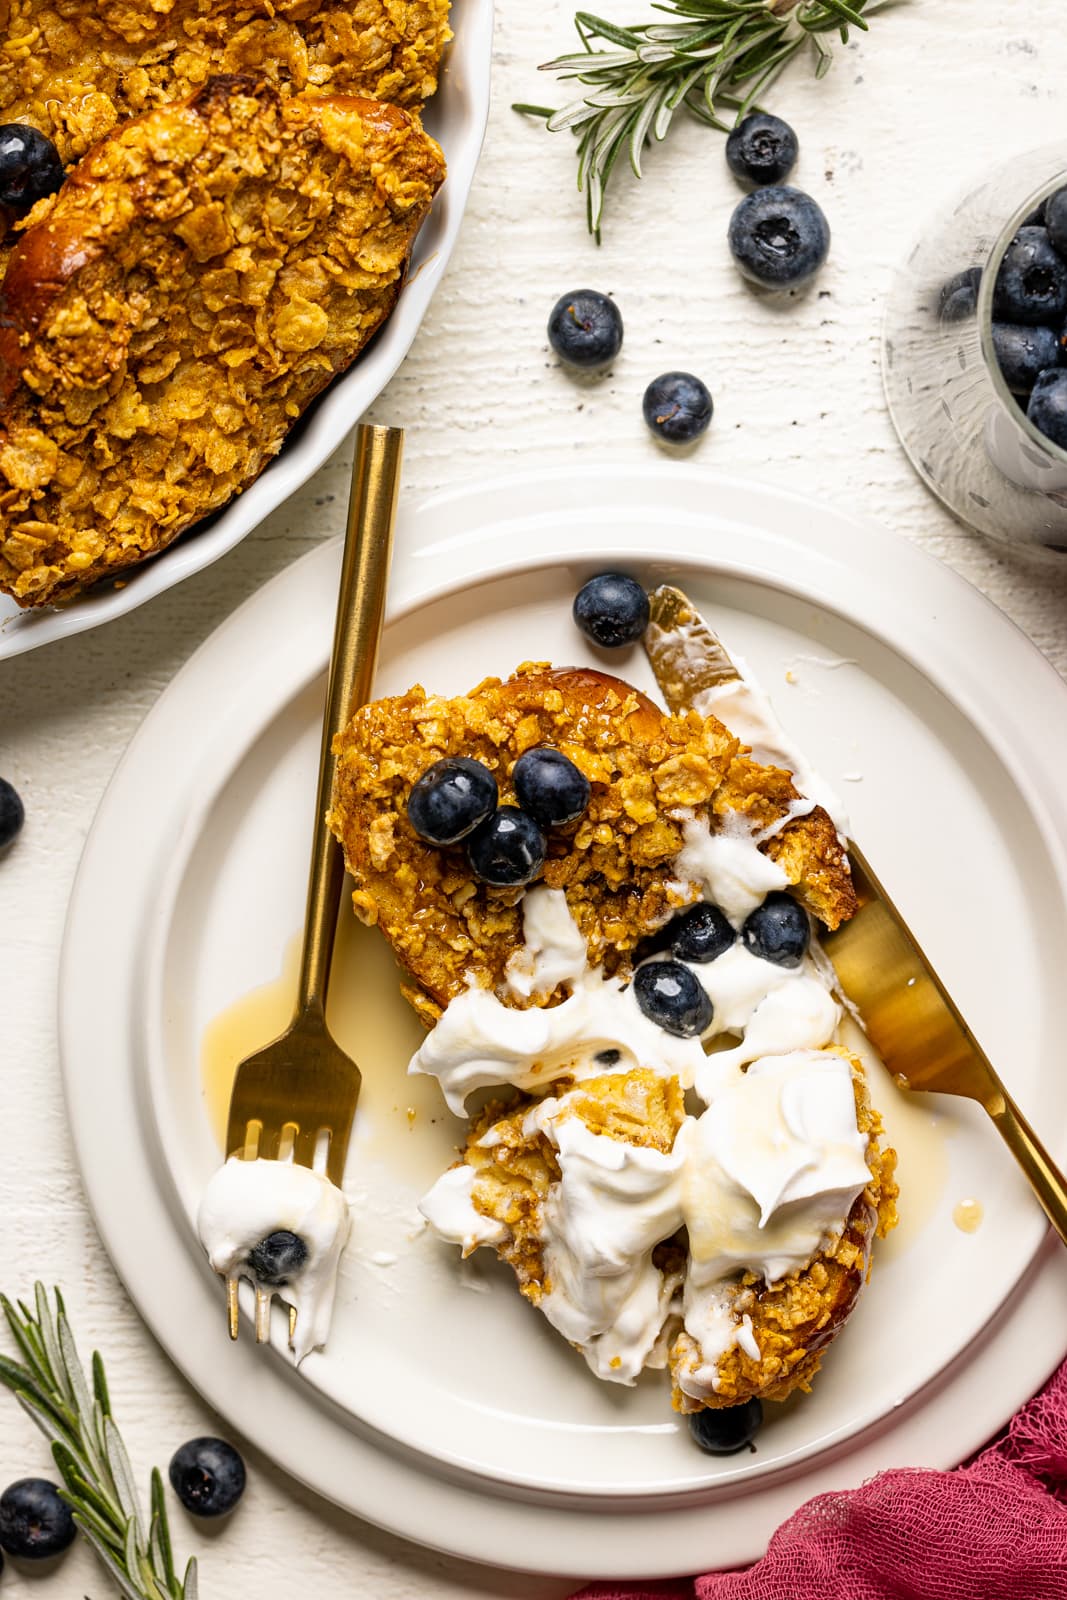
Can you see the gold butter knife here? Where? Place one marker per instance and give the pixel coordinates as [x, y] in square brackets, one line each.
[908, 1014]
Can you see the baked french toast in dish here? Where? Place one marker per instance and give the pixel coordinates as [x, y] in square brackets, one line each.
[608, 914]
[165, 318]
[75, 70]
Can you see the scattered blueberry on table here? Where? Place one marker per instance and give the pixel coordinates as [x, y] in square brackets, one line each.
[208, 1476]
[451, 799]
[549, 787]
[35, 1522]
[30, 166]
[762, 149]
[12, 813]
[507, 850]
[700, 934]
[727, 1429]
[959, 295]
[277, 1258]
[670, 996]
[677, 407]
[1024, 353]
[1047, 409]
[612, 610]
[1031, 285]
[585, 329]
[779, 237]
[778, 930]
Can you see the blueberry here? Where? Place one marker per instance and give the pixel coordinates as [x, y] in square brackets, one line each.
[450, 799]
[677, 407]
[208, 1476]
[779, 237]
[1031, 285]
[507, 850]
[1048, 406]
[1024, 353]
[1055, 220]
[701, 933]
[12, 813]
[778, 931]
[959, 295]
[30, 166]
[670, 996]
[727, 1429]
[275, 1259]
[34, 1522]
[549, 787]
[612, 610]
[762, 149]
[585, 329]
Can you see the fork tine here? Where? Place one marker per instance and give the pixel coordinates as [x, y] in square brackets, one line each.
[292, 1326]
[304, 1147]
[262, 1316]
[232, 1307]
[270, 1142]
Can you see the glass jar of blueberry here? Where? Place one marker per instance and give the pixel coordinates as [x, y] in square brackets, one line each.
[975, 354]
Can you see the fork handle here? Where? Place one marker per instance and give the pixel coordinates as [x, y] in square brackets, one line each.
[360, 611]
[1045, 1177]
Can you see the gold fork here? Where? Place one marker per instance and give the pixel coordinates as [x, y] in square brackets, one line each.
[907, 1012]
[296, 1098]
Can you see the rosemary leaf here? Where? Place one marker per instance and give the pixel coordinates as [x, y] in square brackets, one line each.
[713, 53]
[90, 1457]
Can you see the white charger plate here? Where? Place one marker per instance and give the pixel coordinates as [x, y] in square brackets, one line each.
[456, 117]
[455, 1393]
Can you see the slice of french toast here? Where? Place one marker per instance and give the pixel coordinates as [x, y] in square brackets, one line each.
[203, 273]
[648, 771]
[75, 70]
[515, 1175]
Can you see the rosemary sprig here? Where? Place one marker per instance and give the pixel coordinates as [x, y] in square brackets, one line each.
[51, 1386]
[714, 61]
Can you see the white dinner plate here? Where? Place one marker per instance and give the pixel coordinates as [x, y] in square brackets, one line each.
[910, 692]
[456, 117]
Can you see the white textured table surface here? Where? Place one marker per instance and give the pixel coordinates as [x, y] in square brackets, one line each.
[940, 90]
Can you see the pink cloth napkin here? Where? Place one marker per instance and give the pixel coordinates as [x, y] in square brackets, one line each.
[995, 1529]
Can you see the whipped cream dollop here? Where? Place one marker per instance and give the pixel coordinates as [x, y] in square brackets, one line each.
[745, 708]
[613, 1204]
[553, 951]
[479, 1042]
[762, 1180]
[450, 1210]
[246, 1201]
[774, 1166]
[728, 866]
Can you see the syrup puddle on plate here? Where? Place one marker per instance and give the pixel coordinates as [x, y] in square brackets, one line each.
[968, 1216]
[374, 1024]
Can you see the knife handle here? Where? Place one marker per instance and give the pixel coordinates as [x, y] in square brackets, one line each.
[1044, 1176]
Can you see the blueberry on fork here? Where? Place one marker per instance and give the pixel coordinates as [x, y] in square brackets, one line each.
[276, 1259]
